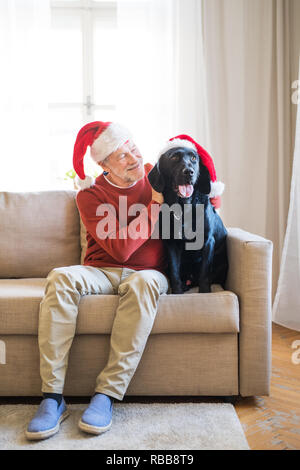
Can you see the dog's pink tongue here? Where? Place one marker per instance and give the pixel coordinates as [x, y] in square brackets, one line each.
[185, 190]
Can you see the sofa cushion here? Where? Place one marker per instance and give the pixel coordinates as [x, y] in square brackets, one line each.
[83, 241]
[39, 231]
[216, 312]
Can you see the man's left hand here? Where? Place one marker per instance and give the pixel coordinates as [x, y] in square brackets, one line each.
[158, 197]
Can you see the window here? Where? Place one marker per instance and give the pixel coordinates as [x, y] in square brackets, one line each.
[83, 69]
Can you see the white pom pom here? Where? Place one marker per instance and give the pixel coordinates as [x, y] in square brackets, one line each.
[216, 188]
[86, 183]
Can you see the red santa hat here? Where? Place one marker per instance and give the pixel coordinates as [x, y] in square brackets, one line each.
[104, 138]
[183, 140]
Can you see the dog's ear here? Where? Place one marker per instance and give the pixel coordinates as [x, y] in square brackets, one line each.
[156, 179]
[203, 182]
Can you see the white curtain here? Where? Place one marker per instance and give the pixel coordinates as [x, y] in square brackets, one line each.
[251, 49]
[161, 89]
[24, 26]
[190, 90]
[286, 308]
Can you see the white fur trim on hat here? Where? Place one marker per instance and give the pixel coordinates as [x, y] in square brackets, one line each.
[113, 137]
[86, 183]
[177, 143]
[216, 188]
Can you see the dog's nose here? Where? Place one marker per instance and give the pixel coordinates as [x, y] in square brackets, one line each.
[188, 172]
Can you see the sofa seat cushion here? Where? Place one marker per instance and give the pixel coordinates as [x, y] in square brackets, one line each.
[216, 312]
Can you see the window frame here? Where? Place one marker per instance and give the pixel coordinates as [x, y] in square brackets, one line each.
[88, 9]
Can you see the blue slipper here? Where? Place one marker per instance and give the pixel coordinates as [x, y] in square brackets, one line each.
[97, 418]
[47, 419]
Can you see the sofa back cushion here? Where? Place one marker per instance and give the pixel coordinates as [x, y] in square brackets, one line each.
[83, 240]
[38, 232]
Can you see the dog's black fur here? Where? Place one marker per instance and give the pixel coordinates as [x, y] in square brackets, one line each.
[208, 265]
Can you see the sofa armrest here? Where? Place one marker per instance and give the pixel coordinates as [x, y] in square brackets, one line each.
[250, 278]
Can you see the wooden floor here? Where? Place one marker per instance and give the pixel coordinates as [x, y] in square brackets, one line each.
[269, 423]
[273, 423]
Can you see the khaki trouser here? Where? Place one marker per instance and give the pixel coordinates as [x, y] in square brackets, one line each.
[139, 293]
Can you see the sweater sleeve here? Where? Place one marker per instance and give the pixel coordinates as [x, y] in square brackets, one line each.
[118, 241]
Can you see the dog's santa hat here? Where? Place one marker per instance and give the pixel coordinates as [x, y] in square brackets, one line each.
[183, 140]
[104, 138]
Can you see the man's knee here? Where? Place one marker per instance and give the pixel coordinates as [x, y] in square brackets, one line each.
[59, 281]
[60, 276]
[141, 281]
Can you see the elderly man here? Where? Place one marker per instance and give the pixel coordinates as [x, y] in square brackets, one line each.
[116, 263]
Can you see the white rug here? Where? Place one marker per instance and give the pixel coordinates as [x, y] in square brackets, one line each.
[162, 426]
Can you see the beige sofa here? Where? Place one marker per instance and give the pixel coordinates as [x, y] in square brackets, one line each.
[201, 344]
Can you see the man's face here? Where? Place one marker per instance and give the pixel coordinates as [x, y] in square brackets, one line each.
[125, 164]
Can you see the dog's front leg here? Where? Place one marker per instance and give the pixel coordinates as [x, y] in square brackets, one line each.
[174, 251]
[205, 271]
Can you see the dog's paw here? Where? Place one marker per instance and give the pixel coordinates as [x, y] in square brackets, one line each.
[177, 289]
[204, 288]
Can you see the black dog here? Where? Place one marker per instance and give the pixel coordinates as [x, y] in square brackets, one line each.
[183, 179]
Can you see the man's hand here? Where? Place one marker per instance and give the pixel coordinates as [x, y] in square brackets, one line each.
[158, 197]
[216, 202]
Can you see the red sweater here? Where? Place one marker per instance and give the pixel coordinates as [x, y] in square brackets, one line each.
[126, 252]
